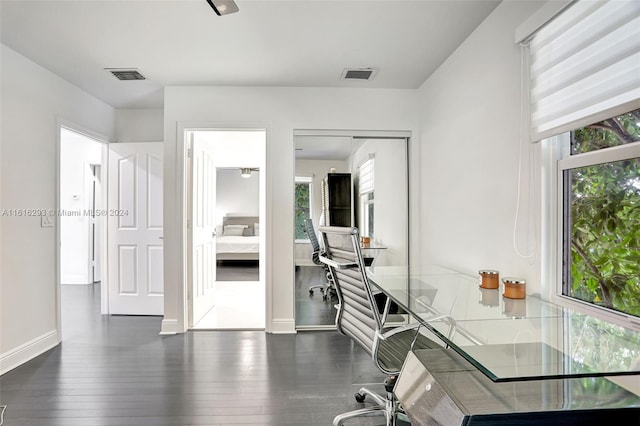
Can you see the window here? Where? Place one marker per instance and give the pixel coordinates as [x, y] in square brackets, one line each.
[600, 214]
[366, 214]
[366, 178]
[303, 196]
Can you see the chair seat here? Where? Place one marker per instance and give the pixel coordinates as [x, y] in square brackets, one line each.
[393, 351]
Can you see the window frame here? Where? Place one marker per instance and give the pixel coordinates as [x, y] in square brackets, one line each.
[309, 181]
[556, 152]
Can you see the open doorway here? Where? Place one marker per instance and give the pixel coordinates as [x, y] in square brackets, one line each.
[225, 246]
[81, 226]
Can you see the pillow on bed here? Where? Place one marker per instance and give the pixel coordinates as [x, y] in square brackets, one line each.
[247, 232]
[233, 230]
[256, 229]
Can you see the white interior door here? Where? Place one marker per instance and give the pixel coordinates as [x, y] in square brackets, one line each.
[134, 213]
[203, 223]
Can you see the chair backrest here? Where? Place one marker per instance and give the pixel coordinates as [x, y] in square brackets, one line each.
[315, 244]
[357, 315]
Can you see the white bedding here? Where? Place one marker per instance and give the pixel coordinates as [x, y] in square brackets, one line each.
[233, 244]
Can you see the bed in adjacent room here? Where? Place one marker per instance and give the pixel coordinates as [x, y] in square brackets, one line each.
[238, 239]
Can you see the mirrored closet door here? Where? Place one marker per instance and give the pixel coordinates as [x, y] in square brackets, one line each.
[346, 181]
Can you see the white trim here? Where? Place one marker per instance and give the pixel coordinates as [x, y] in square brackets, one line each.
[539, 19]
[27, 351]
[551, 216]
[615, 317]
[283, 326]
[368, 134]
[303, 179]
[600, 156]
[170, 326]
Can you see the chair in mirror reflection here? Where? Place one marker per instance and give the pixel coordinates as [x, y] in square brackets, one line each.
[327, 288]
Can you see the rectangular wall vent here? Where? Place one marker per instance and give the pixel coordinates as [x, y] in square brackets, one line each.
[359, 74]
[126, 74]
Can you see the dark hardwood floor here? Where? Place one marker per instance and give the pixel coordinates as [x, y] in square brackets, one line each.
[237, 270]
[117, 370]
[311, 310]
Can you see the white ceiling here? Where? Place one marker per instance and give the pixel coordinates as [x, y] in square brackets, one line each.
[267, 43]
[324, 147]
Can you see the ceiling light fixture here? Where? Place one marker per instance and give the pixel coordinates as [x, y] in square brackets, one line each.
[223, 7]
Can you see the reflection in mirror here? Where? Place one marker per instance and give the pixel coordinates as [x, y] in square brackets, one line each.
[364, 182]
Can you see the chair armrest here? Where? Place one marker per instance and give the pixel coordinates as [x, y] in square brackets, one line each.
[396, 330]
[337, 265]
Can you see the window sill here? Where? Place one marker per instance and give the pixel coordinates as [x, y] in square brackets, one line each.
[619, 318]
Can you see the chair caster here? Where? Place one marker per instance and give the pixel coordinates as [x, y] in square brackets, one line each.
[310, 292]
[359, 397]
[324, 297]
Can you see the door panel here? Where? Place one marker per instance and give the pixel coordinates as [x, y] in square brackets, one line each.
[203, 220]
[135, 229]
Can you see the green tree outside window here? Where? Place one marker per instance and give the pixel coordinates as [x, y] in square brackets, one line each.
[302, 209]
[604, 233]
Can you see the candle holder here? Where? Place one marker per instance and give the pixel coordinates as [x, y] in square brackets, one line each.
[514, 288]
[489, 278]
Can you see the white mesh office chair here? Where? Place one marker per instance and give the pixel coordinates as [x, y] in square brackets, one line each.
[326, 288]
[359, 319]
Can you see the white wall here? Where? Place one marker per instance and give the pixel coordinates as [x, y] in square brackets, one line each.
[316, 169]
[77, 154]
[236, 195]
[390, 214]
[280, 110]
[33, 100]
[139, 125]
[469, 129]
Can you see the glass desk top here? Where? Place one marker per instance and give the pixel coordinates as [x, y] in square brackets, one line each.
[509, 339]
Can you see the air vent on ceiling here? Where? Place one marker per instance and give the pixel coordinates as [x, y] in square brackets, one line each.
[126, 74]
[359, 74]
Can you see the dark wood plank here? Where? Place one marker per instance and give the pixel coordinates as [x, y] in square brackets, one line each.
[311, 310]
[117, 370]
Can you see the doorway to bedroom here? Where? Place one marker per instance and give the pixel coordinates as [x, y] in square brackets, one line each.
[226, 206]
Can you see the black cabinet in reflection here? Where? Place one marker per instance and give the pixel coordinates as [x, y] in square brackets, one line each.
[336, 199]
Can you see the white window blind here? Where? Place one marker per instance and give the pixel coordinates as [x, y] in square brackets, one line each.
[366, 177]
[585, 66]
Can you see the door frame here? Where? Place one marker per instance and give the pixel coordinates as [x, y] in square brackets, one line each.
[104, 285]
[93, 225]
[183, 191]
[359, 134]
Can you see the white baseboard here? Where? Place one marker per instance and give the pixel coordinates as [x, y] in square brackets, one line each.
[283, 326]
[27, 351]
[170, 326]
